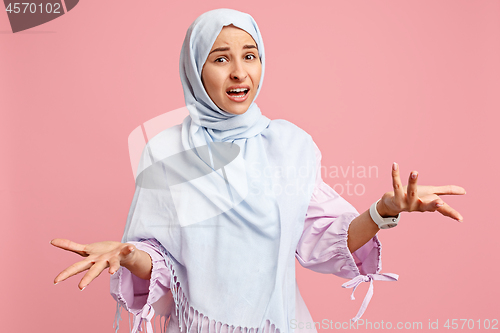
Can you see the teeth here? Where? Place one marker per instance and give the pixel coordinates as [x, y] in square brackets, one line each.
[238, 90]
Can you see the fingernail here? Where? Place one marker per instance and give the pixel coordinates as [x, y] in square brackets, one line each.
[394, 166]
[55, 283]
[413, 175]
[439, 205]
[83, 288]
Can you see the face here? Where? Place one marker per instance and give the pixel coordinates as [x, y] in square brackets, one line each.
[231, 74]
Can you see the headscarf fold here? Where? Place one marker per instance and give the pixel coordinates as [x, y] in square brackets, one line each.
[226, 196]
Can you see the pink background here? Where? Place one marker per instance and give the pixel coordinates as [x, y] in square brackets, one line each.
[416, 82]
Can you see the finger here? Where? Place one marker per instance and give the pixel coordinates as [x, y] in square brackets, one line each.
[93, 272]
[114, 265]
[446, 210]
[396, 183]
[431, 205]
[127, 253]
[73, 270]
[449, 189]
[115, 262]
[127, 250]
[412, 196]
[68, 245]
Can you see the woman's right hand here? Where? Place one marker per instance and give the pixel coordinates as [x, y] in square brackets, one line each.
[98, 256]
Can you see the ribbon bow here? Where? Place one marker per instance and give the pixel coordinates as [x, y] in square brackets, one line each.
[147, 314]
[355, 282]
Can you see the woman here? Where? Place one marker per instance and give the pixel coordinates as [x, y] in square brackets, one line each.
[226, 200]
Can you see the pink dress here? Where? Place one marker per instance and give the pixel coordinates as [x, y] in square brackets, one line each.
[322, 248]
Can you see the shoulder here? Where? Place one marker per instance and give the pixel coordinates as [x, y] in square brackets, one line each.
[289, 130]
[286, 125]
[290, 137]
[166, 136]
[162, 145]
[293, 135]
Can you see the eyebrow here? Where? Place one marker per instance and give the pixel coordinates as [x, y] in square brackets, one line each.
[226, 48]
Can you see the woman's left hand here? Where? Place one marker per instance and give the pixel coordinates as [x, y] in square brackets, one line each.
[417, 197]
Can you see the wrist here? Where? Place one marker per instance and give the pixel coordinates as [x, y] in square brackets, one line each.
[383, 211]
[140, 264]
[128, 255]
[381, 221]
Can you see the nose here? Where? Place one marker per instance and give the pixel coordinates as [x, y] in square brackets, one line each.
[238, 72]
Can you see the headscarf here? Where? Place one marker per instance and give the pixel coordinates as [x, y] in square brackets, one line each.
[226, 196]
[200, 37]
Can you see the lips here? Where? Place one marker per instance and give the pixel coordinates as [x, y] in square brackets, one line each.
[238, 93]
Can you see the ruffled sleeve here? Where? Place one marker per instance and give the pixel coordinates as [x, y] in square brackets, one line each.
[323, 244]
[143, 298]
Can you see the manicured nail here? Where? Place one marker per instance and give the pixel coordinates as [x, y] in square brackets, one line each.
[413, 175]
[55, 283]
[439, 205]
[83, 288]
[394, 166]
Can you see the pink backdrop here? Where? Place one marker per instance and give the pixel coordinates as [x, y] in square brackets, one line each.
[416, 82]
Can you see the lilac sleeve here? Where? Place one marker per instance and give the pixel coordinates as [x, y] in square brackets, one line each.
[323, 245]
[142, 297]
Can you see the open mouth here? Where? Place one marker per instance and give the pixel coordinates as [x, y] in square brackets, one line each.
[238, 92]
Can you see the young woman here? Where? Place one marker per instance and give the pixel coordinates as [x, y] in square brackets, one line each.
[227, 200]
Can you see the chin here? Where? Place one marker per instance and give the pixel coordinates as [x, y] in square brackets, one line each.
[237, 110]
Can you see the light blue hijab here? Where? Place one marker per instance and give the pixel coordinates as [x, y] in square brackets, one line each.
[226, 195]
[201, 35]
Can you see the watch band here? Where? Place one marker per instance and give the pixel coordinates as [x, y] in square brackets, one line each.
[382, 222]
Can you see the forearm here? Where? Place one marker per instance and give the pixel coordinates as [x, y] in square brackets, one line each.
[360, 231]
[141, 265]
[362, 228]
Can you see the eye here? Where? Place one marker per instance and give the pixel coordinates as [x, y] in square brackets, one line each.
[250, 56]
[220, 59]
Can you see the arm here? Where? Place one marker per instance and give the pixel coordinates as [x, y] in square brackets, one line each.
[141, 265]
[402, 199]
[135, 294]
[99, 256]
[360, 231]
[323, 246]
